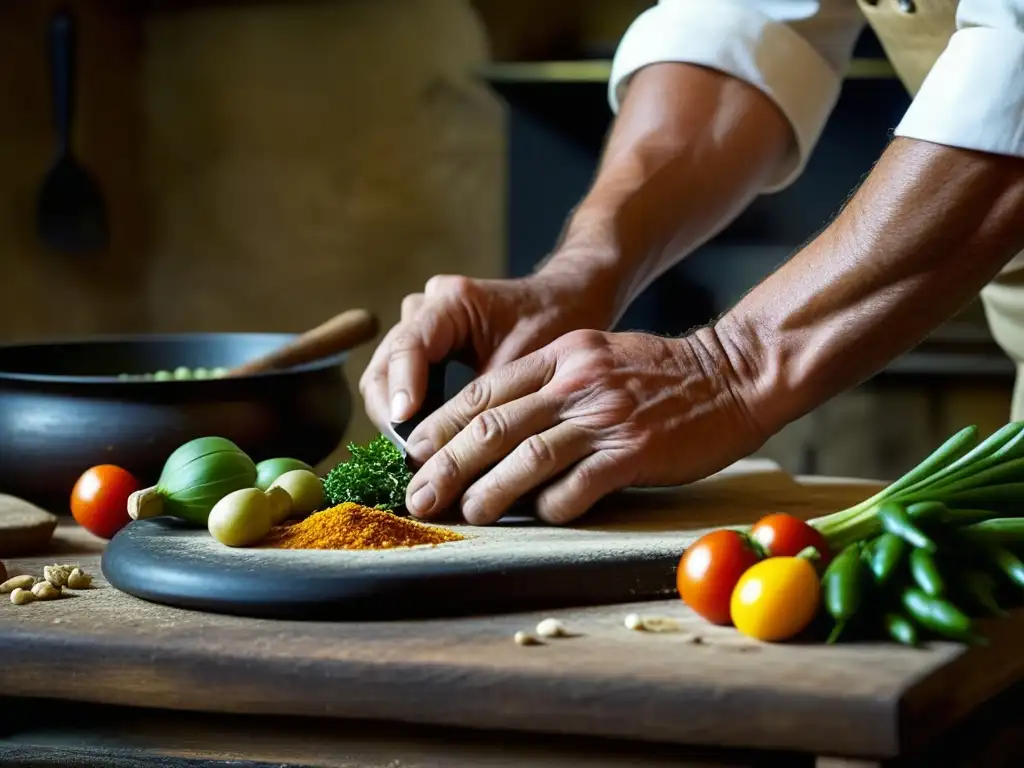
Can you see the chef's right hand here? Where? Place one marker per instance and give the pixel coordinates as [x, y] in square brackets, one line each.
[487, 322]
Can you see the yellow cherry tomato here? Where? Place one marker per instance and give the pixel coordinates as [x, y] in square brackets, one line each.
[776, 598]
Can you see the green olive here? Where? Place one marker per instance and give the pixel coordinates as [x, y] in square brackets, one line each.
[163, 376]
[182, 372]
[269, 470]
[241, 518]
[281, 507]
[305, 488]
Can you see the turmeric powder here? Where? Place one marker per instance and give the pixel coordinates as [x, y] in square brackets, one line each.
[352, 526]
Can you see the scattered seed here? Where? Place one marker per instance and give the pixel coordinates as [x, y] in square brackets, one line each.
[21, 596]
[640, 623]
[57, 574]
[44, 590]
[79, 579]
[525, 638]
[552, 628]
[18, 582]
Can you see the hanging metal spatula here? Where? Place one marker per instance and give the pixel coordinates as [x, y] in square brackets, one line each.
[71, 216]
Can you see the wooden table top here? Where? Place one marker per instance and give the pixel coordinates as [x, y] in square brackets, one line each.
[869, 700]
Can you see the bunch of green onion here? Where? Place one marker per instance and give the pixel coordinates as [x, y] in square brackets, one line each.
[963, 484]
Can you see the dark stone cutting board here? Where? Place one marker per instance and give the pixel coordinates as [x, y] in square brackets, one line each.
[625, 551]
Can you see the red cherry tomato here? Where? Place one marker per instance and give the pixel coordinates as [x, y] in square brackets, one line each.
[99, 500]
[783, 535]
[709, 570]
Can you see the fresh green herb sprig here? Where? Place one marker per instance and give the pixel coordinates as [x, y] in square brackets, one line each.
[375, 476]
[964, 481]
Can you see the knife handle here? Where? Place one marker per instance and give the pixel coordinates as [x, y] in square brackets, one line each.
[444, 380]
[433, 399]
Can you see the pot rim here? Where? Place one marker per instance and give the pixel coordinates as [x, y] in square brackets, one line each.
[145, 338]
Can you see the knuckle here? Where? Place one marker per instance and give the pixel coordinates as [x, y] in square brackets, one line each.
[487, 428]
[411, 303]
[451, 285]
[585, 339]
[437, 284]
[446, 465]
[402, 344]
[537, 453]
[369, 379]
[477, 394]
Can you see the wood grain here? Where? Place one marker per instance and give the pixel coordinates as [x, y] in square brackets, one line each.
[858, 700]
[25, 529]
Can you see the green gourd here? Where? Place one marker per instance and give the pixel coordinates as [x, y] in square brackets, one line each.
[194, 478]
[269, 470]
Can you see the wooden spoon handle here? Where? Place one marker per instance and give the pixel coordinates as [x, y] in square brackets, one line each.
[345, 331]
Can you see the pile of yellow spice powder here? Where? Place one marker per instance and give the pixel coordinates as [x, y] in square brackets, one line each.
[353, 526]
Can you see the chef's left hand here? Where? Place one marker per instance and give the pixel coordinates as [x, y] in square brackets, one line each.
[589, 414]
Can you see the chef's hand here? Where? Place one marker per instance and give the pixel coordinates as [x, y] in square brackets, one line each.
[589, 414]
[487, 322]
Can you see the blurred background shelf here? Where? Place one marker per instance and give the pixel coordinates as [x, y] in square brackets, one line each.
[598, 71]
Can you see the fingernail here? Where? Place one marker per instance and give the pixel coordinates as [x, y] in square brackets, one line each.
[472, 511]
[399, 407]
[422, 450]
[422, 500]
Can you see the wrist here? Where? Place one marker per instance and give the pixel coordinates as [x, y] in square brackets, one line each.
[731, 392]
[584, 282]
[746, 359]
[593, 259]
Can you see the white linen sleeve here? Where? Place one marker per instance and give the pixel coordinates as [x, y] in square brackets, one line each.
[974, 96]
[794, 51]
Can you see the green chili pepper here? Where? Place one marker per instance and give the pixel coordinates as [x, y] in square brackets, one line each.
[887, 554]
[895, 520]
[900, 628]
[843, 584]
[980, 586]
[1007, 562]
[961, 517]
[998, 530]
[927, 511]
[926, 573]
[940, 616]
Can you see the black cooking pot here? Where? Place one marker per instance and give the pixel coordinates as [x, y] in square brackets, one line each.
[63, 408]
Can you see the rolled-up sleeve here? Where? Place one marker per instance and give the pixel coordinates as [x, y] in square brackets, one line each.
[794, 51]
[973, 98]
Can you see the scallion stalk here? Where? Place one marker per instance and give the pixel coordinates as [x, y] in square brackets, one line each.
[972, 479]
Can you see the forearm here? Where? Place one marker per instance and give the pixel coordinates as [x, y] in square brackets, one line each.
[928, 229]
[689, 150]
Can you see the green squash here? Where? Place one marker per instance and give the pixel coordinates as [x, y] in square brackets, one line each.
[269, 470]
[194, 478]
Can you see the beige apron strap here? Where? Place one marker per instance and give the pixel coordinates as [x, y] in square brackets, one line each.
[913, 33]
[1003, 300]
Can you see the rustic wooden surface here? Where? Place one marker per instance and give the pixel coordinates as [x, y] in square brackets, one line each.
[870, 700]
[25, 529]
